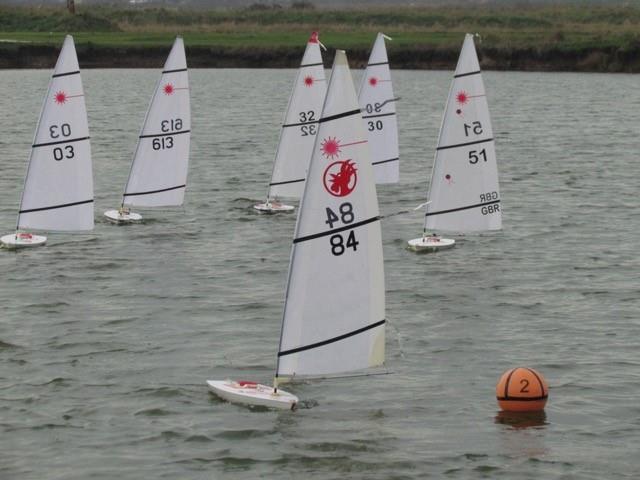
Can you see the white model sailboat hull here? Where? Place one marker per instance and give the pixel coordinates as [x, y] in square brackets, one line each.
[120, 217]
[333, 319]
[299, 129]
[158, 175]
[274, 207]
[250, 393]
[58, 187]
[464, 194]
[430, 243]
[22, 240]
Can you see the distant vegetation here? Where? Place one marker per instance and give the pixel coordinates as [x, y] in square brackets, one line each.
[605, 38]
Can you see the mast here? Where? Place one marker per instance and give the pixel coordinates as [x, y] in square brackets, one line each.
[464, 193]
[379, 113]
[300, 124]
[158, 172]
[333, 319]
[58, 187]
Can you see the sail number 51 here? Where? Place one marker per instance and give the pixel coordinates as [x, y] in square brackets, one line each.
[475, 156]
[475, 128]
[345, 215]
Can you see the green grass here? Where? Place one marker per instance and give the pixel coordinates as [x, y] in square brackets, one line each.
[245, 38]
[567, 28]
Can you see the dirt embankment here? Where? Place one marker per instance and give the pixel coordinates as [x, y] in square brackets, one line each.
[605, 59]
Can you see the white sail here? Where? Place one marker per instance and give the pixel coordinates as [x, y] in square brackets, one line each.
[298, 132]
[334, 309]
[379, 112]
[58, 190]
[158, 174]
[464, 192]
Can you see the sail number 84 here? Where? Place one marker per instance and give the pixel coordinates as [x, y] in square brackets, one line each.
[345, 215]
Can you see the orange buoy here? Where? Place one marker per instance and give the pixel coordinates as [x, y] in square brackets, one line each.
[522, 390]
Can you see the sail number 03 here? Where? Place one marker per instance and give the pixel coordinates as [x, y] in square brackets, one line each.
[63, 152]
[345, 215]
[57, 131]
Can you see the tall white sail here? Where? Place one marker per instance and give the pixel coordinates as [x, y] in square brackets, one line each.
[158, 174]
[464, 192]
[300, 126]
[334, 318]
[58, 190]
[379, 112]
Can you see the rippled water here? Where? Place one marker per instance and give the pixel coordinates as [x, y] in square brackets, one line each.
[106, 339]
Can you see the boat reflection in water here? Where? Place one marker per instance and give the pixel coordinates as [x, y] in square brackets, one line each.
[522, 420]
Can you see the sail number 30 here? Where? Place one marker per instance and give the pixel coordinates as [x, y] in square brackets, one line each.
[345, 215]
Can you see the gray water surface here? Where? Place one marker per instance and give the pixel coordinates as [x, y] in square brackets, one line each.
[106, 339]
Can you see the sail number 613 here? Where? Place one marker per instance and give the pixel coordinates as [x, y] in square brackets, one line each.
[172, 125]
[162, 143]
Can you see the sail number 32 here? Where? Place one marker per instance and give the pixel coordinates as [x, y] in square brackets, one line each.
[345, 215]
[308, 117]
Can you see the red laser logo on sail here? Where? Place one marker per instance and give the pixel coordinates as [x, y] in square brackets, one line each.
[308, 81]
[60, 97]
[340, 178]
[373, 81]
[330, 147]
[462, 97]
[168, 89]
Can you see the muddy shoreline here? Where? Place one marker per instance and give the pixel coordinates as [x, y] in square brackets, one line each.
[606, 59]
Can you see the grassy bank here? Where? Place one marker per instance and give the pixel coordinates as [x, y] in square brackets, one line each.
[542, 38]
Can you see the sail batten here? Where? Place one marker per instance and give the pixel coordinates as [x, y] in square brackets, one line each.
[464, 194]
[377, 102]
[331, 340]
[158, 174]
[335, 289]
